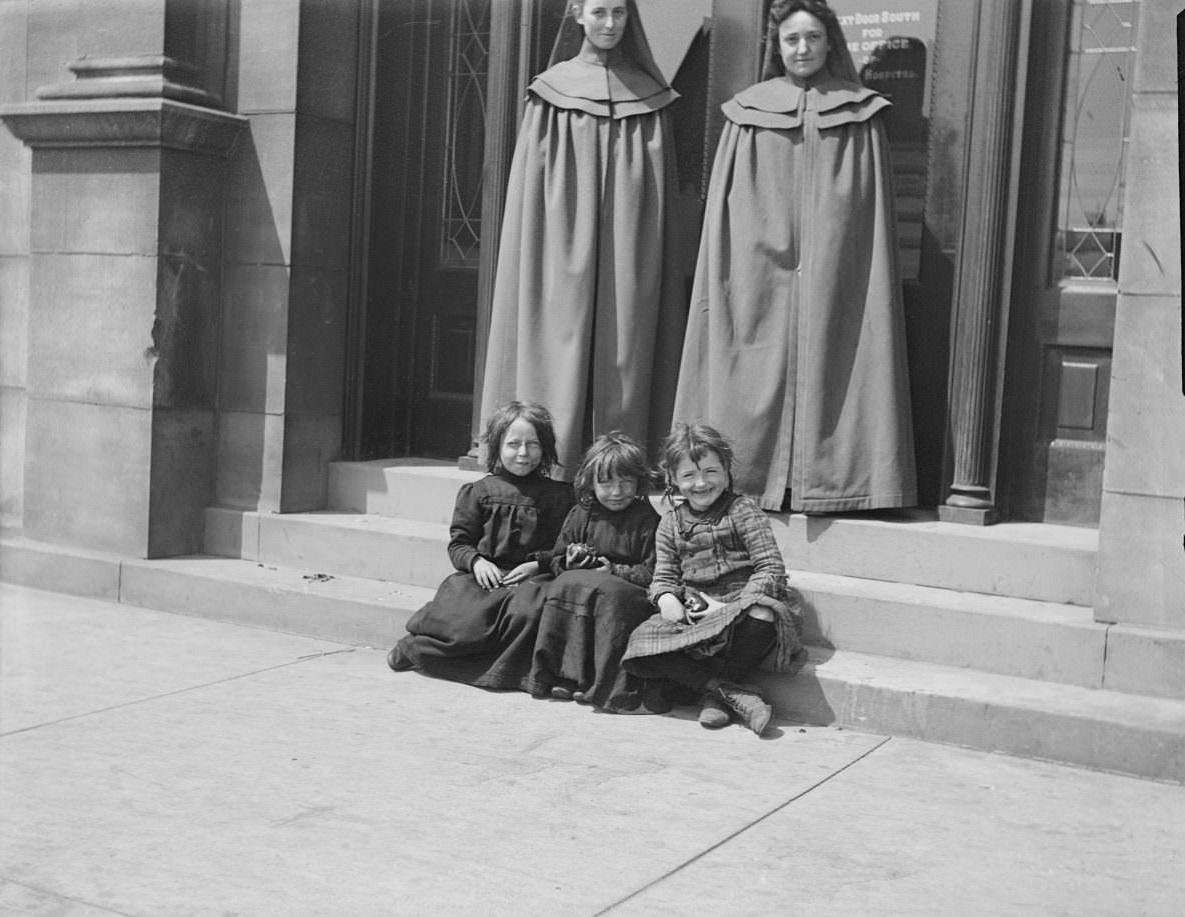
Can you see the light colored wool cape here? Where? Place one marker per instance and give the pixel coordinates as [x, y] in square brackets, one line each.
[795, 342]
[588, 311]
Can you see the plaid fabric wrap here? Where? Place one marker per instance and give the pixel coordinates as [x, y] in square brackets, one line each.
[731, 555]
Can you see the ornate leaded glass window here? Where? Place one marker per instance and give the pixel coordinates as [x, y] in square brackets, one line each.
[1095, 137]
[469, 55]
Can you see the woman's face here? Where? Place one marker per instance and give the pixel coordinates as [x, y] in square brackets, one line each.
[603, 22]
[803, 40]
[521, 451]
[701, 483]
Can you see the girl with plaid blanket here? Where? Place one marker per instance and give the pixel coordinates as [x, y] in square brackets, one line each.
[719, 585]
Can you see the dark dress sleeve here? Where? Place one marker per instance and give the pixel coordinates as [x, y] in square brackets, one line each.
[570, 533]
[554, 504]
[641, 572]
[467, 528]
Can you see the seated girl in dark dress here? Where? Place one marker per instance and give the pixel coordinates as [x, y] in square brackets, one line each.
[603, 561]
[480, 626]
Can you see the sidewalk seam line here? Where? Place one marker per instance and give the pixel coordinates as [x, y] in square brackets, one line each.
[50, 893]
[144, 700]
[741, 830]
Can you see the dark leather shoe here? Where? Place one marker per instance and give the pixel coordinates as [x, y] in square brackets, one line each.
[713, 714]
[749, 706]
[398, 661]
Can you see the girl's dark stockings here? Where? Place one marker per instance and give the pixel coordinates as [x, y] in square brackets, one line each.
[752, 639]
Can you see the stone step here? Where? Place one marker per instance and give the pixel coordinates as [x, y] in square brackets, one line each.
[1047, 563]
[1099, 729]
[1008, 636]
[1107, 730]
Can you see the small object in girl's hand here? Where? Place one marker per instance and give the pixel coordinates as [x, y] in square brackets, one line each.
[694, 602]
[580, 556]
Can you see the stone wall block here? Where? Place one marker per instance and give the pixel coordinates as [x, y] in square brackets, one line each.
[54, 40]
[259, 192]
[1147, 409]
[269, 32]
[328, 49]
[15, 181]
[311, 442]
[112, 29]
[96, 201]
[1156, 64]
[14, 320]
[92, 337]
[87, 475]
[254, 347]
[317, 342]
[14, 43]
[322, 192]
[1151, 259]
[1141, 577]
[191, 207]
[13, 401]
[250, 450]
[182, 483]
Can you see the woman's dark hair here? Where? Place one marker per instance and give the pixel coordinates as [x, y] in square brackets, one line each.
[839, 58]
[612, 455]
[533, 413]
[693, 441]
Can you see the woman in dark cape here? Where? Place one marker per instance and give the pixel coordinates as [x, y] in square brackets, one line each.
[588, 307]
[796, 339]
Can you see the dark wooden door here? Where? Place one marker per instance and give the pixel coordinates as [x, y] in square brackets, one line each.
[1069, 248]
[430, 95]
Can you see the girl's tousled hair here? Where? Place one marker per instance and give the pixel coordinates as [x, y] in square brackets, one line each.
[533, 413]
[839, 58]
[612, 455]
[692, 441]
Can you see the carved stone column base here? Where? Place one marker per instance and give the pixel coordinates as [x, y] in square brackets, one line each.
[966, 515]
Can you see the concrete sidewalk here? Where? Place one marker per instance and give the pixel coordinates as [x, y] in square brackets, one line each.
[155, 764]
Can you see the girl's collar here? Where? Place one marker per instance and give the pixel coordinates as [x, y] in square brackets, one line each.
[710, 516]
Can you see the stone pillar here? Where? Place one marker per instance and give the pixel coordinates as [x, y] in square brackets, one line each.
[984, 266]
[1141, 570]
[124, 293]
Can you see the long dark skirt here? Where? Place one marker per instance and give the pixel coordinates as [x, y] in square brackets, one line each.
[480, 638]
[587, 619]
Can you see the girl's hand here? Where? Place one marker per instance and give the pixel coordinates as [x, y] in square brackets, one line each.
[487, 573]
[603, 563]
[521, 572]
[671, 608]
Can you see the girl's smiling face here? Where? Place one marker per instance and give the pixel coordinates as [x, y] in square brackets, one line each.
[521, 451]
[615, 493]
[603, 22]
[804, 45]
[701, 483]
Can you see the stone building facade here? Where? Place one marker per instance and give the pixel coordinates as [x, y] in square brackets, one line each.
[230, 254]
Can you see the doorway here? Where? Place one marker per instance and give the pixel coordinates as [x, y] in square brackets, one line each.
[1082, 56]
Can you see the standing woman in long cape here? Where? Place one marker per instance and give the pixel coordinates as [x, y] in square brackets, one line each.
[589, 306]
[796, 337]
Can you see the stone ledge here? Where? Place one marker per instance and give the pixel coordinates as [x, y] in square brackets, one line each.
[124, 122]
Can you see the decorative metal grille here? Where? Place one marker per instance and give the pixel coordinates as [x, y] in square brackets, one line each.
[469, 55]
[1095, 138]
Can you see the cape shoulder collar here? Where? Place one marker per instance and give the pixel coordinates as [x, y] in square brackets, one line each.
[780, 104]
[617, 91]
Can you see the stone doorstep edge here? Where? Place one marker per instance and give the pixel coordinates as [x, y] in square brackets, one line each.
[1136, 735]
